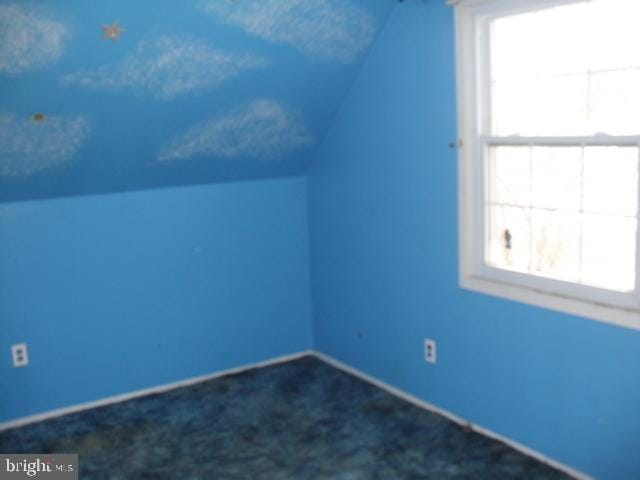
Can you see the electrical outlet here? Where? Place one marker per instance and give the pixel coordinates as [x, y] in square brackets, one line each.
[430, 353]
[20, 355]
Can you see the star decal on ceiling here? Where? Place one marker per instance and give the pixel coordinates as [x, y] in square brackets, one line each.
[112, 32]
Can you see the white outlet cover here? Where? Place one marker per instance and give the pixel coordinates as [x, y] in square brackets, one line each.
[20, 355]
[430, 352]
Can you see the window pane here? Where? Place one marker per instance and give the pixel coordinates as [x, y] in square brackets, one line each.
[562, 35]
[562, 107]
[571, 70]
[611, 180]
[514, 47]
[608, 252]
[546, 43]
[509, 235]
[541, 107]
[514, 107]
[556, 244]
[510, 175]
[556, 177]
[615, 102]
[567, 213]
[615, 36]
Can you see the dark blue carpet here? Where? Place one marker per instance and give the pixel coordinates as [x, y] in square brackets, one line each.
[299, 420]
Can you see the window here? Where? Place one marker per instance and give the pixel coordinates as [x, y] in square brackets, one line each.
[549, 100]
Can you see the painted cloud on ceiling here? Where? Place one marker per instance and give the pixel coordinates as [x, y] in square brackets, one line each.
[166, 68]
[28, 40]
[262, 129]
[330, 29]
[27, 146]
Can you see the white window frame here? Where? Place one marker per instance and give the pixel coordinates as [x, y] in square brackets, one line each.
[472, 48]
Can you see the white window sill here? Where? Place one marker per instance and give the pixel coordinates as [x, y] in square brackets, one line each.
[604, 313]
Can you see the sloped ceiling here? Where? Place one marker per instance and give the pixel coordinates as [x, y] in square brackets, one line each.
[108, 96]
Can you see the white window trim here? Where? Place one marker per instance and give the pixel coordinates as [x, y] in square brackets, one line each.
[589, 302]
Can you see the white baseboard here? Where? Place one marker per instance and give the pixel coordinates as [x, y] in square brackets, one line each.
[147, 391]
[451, 416]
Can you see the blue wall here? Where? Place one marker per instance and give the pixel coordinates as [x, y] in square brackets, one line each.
[383, 218]
[115, 293]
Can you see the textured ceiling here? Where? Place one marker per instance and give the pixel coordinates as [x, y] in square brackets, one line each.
[116, 95]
